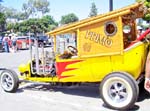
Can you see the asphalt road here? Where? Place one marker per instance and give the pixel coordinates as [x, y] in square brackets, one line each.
[43, 97]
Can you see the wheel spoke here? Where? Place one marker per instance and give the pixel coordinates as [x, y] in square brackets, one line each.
[123, 94]
[118, 92]
[116, 86]
[121, 88]
[4, 83]
[8, 85]
[7, 81]
[117, 98]
[113, 91]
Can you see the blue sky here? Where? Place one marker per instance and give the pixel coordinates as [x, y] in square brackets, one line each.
[81, 8]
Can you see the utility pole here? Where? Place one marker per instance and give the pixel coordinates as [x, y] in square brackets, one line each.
[110, 5]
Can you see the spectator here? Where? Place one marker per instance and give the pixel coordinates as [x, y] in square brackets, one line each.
[9, 41]
[6, 43]
[147, 73]
[139, 31]
[14, 39]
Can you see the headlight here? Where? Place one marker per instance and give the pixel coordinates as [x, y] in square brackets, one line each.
[22, 68]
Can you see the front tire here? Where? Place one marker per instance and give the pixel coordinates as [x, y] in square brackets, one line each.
[9, 80]
[119, 90]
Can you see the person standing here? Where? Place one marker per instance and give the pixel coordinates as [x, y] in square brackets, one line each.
[147, 74]
[6, 43]
[14, 40]
[139, 31]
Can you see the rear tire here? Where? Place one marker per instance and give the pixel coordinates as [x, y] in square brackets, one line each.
[119, 91]
[9, 80]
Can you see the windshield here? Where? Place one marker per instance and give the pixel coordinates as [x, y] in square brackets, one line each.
[42, 37]
[65, 40]
[21, 38]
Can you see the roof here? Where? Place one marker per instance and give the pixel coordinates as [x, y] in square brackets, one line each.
[95, 19]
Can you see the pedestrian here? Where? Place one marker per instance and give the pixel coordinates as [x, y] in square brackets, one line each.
[6, 43]
[147, 73]
[14, 40]
[139, 31]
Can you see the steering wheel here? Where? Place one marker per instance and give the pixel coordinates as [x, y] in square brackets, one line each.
[72, 50]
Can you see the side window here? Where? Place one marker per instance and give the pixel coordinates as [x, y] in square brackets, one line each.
[126, 29]
[127, 35]
[110, 28]
[129, 29]
[67, 45]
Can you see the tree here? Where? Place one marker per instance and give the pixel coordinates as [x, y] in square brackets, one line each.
[93, 11]
[2, 22]
[147, 4]
[32, 7]
[10, 26]
[69, 18]
[2, 8]
[21, 16]
[49, 23]
[41, 6]
[26, 10]
[45, 24]
[10, 12]
[147, 15]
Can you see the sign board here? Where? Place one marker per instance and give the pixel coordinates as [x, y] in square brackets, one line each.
[102, 38]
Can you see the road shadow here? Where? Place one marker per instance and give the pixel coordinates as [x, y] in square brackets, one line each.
[143, 95]
[134, 108]
[87, 90]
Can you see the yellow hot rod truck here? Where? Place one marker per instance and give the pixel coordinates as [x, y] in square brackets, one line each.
[103, 49]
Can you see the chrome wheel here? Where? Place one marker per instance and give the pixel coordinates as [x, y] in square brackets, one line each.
[6, 81]
[119, 90]
[9, 80]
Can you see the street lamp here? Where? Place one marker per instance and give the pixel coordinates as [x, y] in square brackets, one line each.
[110, 5]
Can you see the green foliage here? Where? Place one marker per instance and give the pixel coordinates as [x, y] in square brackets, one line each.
[34, 6]
[10, 12]
[45, 24]
[41, 5]
[147, 4]
[69, 18]
[93, 11]
[26, 10]
[140, 0]
[147, 17]
[2, 21]
[10, 26]
[2, 18]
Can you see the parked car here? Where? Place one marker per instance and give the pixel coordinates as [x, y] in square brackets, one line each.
[1, 44]
[32, 38]
[23, 42]
[43, 40]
